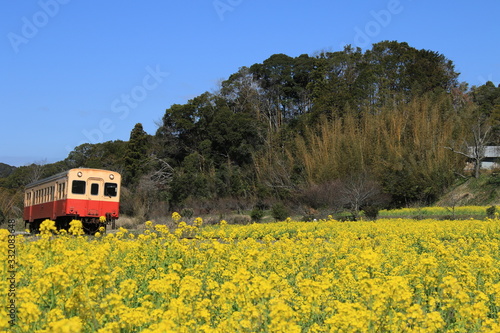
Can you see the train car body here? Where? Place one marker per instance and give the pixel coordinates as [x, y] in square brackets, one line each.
[89, 195]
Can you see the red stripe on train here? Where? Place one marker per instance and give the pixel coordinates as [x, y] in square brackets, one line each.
[71, 207]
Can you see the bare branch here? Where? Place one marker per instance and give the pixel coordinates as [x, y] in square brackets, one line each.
[458, 152]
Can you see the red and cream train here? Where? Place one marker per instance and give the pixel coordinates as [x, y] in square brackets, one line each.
[89, 195]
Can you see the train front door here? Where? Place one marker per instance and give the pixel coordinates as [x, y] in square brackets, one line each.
[96, 186]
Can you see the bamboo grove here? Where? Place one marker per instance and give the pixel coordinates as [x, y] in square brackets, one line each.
[402, 149]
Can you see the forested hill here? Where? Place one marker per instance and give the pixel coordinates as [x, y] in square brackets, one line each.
[309, 131]
[6, 170]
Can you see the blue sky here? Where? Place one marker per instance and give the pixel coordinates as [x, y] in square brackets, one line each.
[75, 71]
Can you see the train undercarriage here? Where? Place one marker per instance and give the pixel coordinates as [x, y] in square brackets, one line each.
[90, 225]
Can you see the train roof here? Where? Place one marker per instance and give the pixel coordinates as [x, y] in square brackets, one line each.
[48, 179]
[60, 175]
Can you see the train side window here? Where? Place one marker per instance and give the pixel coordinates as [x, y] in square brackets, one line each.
[78, 187]
[94, 189]
[110, 189]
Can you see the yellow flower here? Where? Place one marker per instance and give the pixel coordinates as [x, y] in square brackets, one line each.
[29, 312]
[48, 227]
[176, 217]
[198, 221]
[76, 228]
[110, 327]
[71, 325]
[176, 267]
[128, 288]
[55, 315]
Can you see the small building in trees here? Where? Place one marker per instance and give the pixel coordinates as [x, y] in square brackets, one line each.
[490, 158]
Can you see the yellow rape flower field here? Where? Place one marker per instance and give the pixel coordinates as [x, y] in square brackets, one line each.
[396, 275]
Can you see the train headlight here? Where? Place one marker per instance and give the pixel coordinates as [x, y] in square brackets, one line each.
[79, 174]
[111, 176]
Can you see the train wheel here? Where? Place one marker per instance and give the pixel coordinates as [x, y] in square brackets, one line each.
[35, 227]
[90, 228]
[62, 223]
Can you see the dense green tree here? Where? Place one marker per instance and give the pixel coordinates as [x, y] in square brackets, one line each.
[275, 77]
[404, 72]
[182, 127]
[336, 82]
[487, 99]
[136, 154]
[233, 136]
[107, 155]
[211, 138]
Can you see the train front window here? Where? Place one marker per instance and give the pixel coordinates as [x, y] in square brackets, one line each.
[78, 187]
[110, 189]
[94, 189]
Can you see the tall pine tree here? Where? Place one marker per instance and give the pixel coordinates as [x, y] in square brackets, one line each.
[136, 156]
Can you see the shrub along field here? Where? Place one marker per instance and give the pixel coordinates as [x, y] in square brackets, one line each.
[461, 212]
[392, 275]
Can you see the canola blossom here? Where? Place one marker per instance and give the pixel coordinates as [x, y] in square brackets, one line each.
[397, 275]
